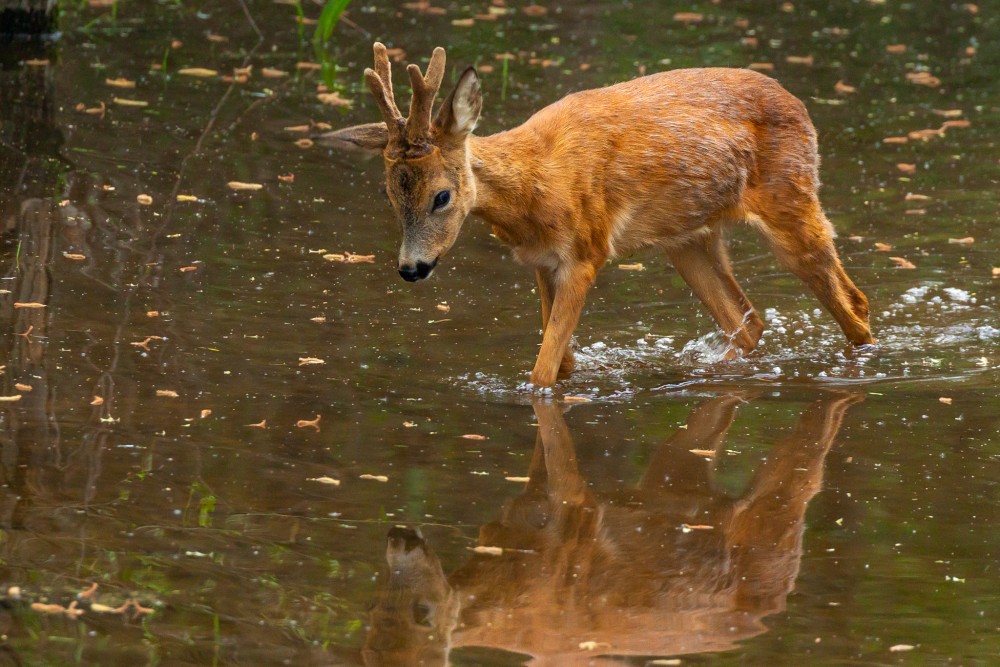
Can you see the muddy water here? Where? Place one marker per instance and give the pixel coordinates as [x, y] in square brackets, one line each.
[839, 507]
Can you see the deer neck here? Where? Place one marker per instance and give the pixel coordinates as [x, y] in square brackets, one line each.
[507, 179]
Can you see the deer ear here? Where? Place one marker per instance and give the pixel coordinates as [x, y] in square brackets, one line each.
[370, 138]
[460, 112]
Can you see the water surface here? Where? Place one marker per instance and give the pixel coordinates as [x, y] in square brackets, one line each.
[881, 469]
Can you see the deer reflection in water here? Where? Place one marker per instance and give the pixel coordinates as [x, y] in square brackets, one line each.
[637, 574]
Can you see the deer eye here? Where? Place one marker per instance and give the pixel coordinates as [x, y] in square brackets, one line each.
[422, 614]
[441, 200]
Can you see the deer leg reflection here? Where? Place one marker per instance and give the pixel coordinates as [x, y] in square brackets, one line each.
[686, 461]
[765, 525]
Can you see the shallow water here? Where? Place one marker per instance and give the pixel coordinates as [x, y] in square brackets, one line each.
[886, 496]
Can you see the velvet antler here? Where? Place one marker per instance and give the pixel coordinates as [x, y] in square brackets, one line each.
[415, 130]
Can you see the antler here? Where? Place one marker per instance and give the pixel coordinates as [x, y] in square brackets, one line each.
[415, 130]
[379, 81]
[425, 89]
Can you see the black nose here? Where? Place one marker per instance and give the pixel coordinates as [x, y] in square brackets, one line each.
[412, 273]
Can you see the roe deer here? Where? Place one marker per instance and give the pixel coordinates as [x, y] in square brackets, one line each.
[664, 161]
[672, 566]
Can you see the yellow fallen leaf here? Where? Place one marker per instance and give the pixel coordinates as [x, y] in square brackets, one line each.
[761, 67]
[325, 480]
[121, 101]
[474, 436]
[97, 401]
[272, 73]
[23, 387]
[145, 200]
[945, 400]
[306, 423]
[376, 478]
[205, 413]
[901, 647]
[632, 267]
[521, 480]
[703, 452]
[913, 196]
[576, 399]
[310, 361]
[695, 526]
[947, 113]
[463, 23]
[996, 271]
[167, 393]
[689, 17]
[443, 307]
[896, 48]
[74, 256]
[240, 186]
[120, 83]
[968, 240]
[843, 88]
[489, 551]
[186, 198]
[29, 304]
[800, 60]
[304, 143]
[36, 62]
[903, 263]
[895, 140]
[907, 168]
[10, 399]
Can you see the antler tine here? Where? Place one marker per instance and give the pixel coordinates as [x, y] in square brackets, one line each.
[425, 89]
[379, 83]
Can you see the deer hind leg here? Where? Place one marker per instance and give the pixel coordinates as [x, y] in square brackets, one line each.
[802, 238]
[546, 290]
[704, 266]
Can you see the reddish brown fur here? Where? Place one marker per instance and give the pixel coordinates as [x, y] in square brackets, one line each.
[620, 573]
[664, 161]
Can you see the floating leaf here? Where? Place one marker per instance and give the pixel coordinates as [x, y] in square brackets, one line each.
[325, 480]
[474, 436]
[29, 304]
[130, 103]
[167, 393]
[688, 18]
[240, 186]
[74, 256]
[145, 200]
[310, 361]
[307, 423]
[844, 89]
[968, 240]
[375, 478]
[489, 551]
[632, 267]
[903, 263]
[120, 83]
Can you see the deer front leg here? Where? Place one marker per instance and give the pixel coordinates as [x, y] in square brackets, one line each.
[571, 287]
[546, 290]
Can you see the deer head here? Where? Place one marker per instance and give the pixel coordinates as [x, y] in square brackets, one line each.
[412, 621]
[428, 174]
